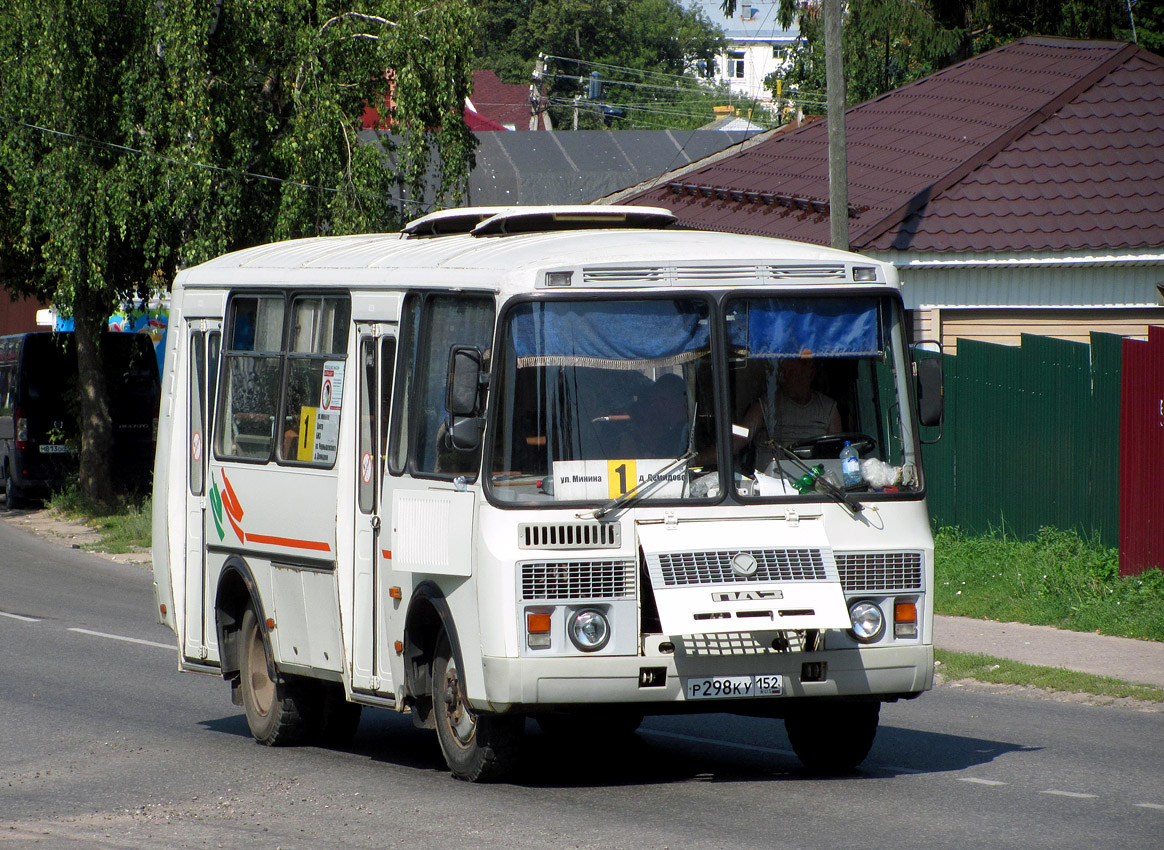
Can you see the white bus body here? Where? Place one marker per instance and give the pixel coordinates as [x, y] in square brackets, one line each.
[386, 465]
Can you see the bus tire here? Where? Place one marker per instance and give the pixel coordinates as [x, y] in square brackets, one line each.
[273, 708]
[833, 738]
[477, 747]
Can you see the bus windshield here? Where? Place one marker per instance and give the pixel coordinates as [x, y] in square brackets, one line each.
[600, 397]
[595, 398]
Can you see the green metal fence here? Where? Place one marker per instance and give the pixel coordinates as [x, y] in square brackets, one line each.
[1031, 438]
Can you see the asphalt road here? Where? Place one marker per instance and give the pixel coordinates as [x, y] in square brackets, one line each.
[104, 744]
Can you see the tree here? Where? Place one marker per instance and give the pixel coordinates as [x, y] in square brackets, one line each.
[139, 136]
[651, 53]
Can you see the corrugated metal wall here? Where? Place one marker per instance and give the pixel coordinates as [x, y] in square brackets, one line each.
[1031, 438]
[1142, 455]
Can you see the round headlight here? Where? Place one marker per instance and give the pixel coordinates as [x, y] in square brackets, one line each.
[868, 621]
[589, 629]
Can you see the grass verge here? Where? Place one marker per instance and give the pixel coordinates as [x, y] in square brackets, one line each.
[986, 668]
[1057, 579]
[123, 527]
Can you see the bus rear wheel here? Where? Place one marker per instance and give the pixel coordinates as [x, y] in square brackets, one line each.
[833, 738]
[477, 747]
[274, 709]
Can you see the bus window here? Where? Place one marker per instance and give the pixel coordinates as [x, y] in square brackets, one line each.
[315, 376]
[246, 422]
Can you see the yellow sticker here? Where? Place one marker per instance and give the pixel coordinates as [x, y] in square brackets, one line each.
[306, 447]
[620, 477]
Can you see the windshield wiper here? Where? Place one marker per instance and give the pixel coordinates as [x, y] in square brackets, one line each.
[847, 499]
[641, 489]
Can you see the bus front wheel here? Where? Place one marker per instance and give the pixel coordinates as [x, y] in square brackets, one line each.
[477, 747]
[274, 711]
[833, 738]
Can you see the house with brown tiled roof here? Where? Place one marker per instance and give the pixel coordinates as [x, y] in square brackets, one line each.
[1019, 191]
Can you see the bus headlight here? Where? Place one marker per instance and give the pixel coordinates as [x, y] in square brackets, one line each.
[589, 629]
[868, 621]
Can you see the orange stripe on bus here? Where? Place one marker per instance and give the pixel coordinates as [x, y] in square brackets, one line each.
[289, 542]
[387, 553]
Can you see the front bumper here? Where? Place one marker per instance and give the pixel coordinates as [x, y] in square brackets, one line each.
[528, 684]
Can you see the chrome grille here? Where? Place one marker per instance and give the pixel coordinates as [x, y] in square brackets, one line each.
[864, 571]
[749, 643]
[569, 535]
[687, 568]
[578, 580]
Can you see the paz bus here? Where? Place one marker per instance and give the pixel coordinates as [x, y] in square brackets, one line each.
[497, 467]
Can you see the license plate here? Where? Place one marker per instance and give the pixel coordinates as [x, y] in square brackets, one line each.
[54, 450]
[734, 687]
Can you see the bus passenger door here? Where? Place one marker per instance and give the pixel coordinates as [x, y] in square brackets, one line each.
[203, 337]
[371, 669]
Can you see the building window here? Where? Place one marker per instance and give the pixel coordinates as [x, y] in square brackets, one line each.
[736, 65]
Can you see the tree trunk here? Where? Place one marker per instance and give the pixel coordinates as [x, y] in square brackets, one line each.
[90, 317]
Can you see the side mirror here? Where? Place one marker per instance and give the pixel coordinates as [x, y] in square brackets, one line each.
[466, 377]
[464, 381]
[930, 391]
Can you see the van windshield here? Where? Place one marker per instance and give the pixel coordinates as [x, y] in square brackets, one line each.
[594, 398]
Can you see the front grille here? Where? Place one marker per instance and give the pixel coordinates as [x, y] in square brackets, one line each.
[687, 568]
[569, 535]
[865, 571]
[578, 580]
[732, 644]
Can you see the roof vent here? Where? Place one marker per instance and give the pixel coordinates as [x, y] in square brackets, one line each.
[499, 221]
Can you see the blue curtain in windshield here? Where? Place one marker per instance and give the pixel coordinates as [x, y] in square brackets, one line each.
[610, 334]
[803, 327]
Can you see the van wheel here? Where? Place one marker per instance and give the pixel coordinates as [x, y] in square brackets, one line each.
[833, 738]
[273, 707]
[477, 747]
[13, 498]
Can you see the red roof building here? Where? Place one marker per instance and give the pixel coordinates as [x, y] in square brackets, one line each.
[1029, 179]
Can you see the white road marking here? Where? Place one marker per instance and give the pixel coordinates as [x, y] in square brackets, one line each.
[1074, 794]
[1150, 806]
[978, 781]
[20, 617]
[122, 638]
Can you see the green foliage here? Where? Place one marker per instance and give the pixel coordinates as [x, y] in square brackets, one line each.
[139, 136]
[1057, 579]
[123, 525]
[655, 51]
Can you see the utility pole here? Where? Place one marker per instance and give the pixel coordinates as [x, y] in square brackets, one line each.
[838, 158]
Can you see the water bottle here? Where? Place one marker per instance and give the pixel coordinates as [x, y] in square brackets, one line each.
[850, 466]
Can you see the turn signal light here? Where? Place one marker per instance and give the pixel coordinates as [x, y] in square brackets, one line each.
[905, 618]
[537, 625]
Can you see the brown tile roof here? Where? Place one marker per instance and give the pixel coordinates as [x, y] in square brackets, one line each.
[504, 103]
[1044, 144]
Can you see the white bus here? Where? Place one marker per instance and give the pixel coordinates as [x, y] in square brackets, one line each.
[546, 463]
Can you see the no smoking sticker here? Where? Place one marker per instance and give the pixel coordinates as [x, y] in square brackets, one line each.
[366, 467]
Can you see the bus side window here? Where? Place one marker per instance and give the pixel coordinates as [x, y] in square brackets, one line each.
[445, 321]
[245, 426]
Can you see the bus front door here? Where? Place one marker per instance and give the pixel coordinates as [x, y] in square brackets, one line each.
[372, 605]
[203, 338]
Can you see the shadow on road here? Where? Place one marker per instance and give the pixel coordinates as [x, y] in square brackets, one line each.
[708, 748]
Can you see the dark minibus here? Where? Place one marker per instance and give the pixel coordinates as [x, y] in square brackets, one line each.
[40, 434]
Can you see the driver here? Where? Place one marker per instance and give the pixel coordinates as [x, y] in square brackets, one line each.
[798, 411]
